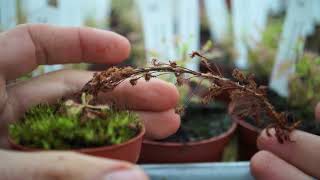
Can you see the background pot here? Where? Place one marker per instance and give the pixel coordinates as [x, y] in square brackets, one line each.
[208, 150]
[248, 133]
[127, 151]
[247, 139]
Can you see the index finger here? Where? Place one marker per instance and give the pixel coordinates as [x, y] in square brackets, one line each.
[27, 46]
[303, 153]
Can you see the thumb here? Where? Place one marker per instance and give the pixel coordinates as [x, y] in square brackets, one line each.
[64, 165]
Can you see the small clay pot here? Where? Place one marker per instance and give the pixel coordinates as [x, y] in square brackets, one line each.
[127, 151]
[208, 150]
[247, 139]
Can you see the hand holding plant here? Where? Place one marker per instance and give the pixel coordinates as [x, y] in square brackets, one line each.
[298, 160]
[120, 85]
[247, 98]
[26, 47]
[298, 152]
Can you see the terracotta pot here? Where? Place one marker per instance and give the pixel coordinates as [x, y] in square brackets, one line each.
[247, 139]
[127, 151]
[208, 150]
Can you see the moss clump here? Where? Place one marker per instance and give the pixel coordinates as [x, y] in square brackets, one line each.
[46, 127]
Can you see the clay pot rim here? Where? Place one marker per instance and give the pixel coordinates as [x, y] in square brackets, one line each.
[84, 150]
[227, 133]
[245, 124]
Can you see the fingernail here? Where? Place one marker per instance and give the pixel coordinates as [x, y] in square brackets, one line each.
[132, 174]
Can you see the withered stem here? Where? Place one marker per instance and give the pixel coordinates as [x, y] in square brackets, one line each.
[111, 78]
[216, 79]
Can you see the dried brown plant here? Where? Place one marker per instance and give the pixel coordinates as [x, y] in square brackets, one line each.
[247, 98]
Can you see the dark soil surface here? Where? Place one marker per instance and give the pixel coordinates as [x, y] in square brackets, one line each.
[201, 122]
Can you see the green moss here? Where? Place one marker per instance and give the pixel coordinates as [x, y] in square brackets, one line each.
[43, 127]
[271, 35]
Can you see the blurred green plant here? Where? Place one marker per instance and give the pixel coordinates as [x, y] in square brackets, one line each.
[125, 20]
[185, 90]
[262, 57]
[305, 82]
[304, 91]
[91, 22]
[304, 94]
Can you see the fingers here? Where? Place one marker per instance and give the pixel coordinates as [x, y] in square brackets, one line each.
[160, 125]
[303, 153]
[32, 45]
[154, 100]
[64, 165]
[47, 88]
[265, 165]
[154, 95]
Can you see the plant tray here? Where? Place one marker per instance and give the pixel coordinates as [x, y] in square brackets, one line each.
[203, 171]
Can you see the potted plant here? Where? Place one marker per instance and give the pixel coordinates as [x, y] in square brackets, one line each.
[205, 131]
[240, 89]
[79, 124]
[205, 128]
[83, 109]
[247, 98]
[304, 81]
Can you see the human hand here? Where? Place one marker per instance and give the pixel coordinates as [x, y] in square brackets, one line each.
[298, 160]
[27, 46]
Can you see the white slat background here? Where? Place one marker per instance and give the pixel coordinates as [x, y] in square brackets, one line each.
[169, 25]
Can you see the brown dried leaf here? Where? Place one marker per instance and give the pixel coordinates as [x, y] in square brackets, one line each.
[147, 76]
[134, 81]
[180, 110]
[262, 89]
[251, 83]
[238, 75]
[155, 62]
[173, 64]
[180, 80]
